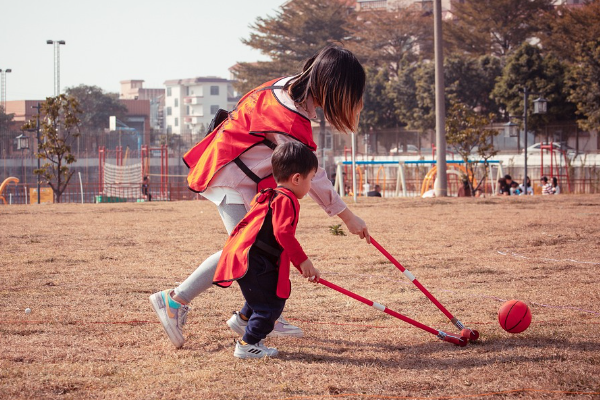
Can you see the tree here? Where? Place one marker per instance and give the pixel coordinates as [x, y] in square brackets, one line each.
[569, 27]
[378, 111]
[584, 80]
[5, 120]
[386, 39]
[293, 35]
[413, 96]
[494, 27]
[471, 80]
[468, 132]
[97, 106]
[526, 67]
[58, 129]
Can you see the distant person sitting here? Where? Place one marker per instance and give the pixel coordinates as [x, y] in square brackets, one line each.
[515, 188]
[528, 190]
[555, 187]
[375, 193]
[504, 185]
[546, 187]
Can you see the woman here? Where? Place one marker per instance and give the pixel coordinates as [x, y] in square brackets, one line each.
[234, 161]
[526, 190]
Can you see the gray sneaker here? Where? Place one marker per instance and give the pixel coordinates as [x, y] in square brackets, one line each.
[258, 350]
[172, 319]
[282, 328]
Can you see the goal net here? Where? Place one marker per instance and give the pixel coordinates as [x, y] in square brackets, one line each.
[124, 181]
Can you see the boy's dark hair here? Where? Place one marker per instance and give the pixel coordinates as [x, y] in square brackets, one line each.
[291, 158]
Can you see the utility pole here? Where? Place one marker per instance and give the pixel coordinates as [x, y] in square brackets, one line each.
[37, 130]
[441, 182]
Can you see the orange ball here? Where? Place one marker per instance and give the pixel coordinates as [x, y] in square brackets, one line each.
[514, 316]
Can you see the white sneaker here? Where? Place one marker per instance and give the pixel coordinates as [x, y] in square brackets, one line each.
[172, 319]
[258, 350]
[282, 328]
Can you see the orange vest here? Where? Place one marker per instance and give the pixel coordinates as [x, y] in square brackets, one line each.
[233, 263]
[256, 114]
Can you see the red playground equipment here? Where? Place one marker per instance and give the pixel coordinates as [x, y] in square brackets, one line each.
[559, 164]
[128, 184]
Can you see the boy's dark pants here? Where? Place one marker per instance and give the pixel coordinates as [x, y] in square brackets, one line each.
[259, 286]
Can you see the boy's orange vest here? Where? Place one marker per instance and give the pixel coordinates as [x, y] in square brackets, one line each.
[233, 263]
[256, 114]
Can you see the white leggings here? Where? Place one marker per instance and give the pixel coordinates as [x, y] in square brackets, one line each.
[201, 279]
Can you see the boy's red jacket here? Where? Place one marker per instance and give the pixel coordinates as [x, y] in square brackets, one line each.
[285, 207]
[256, 114]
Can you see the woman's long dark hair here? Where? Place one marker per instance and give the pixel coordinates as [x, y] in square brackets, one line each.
[336, 80]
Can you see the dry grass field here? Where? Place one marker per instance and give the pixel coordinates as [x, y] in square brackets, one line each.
[86, 272]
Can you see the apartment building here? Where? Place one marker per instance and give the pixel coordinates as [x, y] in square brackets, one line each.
[392, 5]
[190, 104]
[134, 89]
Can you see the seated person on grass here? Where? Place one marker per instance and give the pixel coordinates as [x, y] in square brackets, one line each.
[260, 248]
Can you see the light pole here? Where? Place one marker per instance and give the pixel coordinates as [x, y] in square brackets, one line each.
[37, 130]
[56, 44]
[3, 88]
[441, 181]
[539, 107]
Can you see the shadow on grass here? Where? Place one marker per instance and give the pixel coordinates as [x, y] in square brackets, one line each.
[442, 355]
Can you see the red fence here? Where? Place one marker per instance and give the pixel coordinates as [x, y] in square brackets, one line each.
[178, 190]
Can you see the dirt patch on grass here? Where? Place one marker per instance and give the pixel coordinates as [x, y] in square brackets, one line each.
[86, 272]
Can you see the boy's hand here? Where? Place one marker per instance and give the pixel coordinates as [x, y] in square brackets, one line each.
[309, 271]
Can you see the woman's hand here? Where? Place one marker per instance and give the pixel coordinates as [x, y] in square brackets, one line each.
[355, 224]
[309, 271]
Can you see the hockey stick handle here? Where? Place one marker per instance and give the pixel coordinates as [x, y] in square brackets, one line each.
[378, 306]
[412, 278]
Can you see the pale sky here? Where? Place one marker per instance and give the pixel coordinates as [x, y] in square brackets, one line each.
[108, 41]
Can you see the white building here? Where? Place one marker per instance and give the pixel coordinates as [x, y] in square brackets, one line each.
[190, 104]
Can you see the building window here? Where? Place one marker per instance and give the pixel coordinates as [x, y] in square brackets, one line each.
[176, 121]
[187, 110]
[214, 90]
[214, 109]
[176, 102]
[168, 91]
[169, 129]
[169, 111]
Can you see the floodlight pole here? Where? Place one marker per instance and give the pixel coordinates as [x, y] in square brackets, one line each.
[3, 87]
[56, 44]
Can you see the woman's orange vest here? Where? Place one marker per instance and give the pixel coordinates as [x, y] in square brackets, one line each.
[256, 114]
[233, 263]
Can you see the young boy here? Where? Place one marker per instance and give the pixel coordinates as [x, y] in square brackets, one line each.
[260, 248]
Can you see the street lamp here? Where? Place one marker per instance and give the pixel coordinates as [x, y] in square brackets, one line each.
[23, 144]
[3, 88]
[540, 106]
[56, 44]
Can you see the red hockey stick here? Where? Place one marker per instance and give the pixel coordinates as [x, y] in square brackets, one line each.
[447, 337]
[467, 333]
